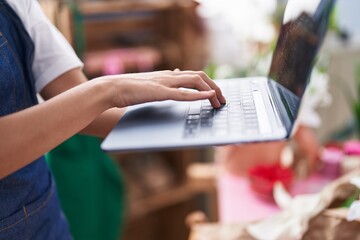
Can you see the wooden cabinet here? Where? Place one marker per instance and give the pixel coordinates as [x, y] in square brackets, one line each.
[132, 36]
[120, 36]
[160, 213]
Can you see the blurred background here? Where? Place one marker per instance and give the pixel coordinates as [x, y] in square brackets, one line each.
[165, 193]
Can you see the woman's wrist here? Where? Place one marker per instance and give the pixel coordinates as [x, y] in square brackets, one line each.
[106, 88]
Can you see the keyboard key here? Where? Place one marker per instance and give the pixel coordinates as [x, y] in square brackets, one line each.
[193, 116]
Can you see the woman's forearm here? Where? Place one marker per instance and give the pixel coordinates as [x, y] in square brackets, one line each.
[30, 133]
[103, 124]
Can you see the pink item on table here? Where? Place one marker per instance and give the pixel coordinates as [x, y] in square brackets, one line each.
[331, 158]
[313, 184]
[352, 147]
[238, 202]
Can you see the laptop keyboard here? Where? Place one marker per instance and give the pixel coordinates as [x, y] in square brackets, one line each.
[237, 116]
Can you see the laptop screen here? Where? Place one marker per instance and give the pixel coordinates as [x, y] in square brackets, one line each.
[304, 27]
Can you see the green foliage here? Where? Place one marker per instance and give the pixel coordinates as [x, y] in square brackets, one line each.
[279, 14]
[333, 20]
[350, 200]
[210, 70]
[356, 104]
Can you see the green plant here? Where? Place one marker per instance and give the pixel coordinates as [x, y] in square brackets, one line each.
[210, 70]
[356, 104]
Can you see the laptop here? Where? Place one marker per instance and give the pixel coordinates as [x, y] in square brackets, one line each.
[258, 109]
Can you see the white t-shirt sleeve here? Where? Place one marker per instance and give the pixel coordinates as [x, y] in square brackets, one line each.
[53, 55]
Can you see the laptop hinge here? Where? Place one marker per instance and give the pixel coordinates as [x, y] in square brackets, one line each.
[279, 108]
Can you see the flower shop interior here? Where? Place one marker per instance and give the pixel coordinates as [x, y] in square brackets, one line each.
[305, 187]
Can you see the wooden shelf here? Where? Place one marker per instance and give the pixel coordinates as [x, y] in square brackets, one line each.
[158, 201]
[193, 186]
[171, 26]
[120, 60]
[130, 6]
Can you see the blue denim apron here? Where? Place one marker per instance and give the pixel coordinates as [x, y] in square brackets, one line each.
[29, 207]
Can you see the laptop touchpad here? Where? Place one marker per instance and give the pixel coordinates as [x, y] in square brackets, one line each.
[155, 113]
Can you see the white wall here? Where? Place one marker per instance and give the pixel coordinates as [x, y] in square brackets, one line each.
[349, 15]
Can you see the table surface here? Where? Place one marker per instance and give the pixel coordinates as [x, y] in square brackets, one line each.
[238, 202]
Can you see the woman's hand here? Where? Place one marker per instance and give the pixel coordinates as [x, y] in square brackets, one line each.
[130, 89]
